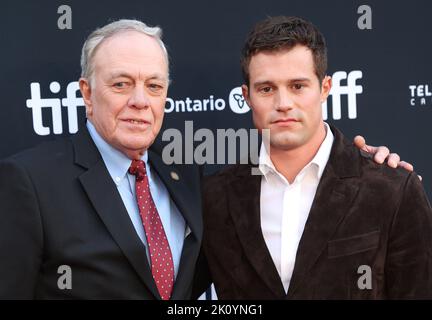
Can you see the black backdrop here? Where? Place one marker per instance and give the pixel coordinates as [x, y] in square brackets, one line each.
[204, 39]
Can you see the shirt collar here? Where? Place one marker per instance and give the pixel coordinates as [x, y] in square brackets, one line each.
[320, 159]
[323, 154]
[116, 162]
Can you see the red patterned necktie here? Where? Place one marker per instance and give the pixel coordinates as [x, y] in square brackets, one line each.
[162, 265]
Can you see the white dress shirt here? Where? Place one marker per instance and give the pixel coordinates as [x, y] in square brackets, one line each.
[285, 207]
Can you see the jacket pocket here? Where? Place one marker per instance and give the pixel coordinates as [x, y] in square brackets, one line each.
[352, 245]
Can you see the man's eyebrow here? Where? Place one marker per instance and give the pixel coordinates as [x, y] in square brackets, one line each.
[123, 74]
[120, 74]
[157, 76]
[293, 80]
[260, 83]
[300, 80]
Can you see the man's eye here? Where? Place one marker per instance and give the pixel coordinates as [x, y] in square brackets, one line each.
[155, 87]
[120, 85]
[297, 86]
[266, 89]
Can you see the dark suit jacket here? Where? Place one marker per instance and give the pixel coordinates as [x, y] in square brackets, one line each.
[362, 214]
[59, 206]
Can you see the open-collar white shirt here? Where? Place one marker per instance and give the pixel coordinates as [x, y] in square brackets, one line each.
[285, 207]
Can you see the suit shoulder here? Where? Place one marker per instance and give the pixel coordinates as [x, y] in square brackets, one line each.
[227, 172]
[217, 185]
[381, 171]
[45, 154]
[393, 182]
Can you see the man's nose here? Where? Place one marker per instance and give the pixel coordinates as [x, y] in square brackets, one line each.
[284, 101]
[139, 98]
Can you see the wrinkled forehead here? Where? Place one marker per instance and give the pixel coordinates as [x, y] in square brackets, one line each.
[131, 48]
[130, 42]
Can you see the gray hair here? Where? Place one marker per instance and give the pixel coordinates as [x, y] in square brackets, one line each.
[99, 35]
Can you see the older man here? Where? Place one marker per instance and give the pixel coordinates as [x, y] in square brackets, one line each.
[99, 215]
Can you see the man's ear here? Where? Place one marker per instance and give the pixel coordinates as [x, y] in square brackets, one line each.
[85, 88]
[245, 92]
[325, 88]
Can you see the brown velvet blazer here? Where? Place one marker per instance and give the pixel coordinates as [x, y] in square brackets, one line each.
[362, 214]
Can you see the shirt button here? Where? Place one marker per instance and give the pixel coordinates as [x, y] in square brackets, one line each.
[117, 180]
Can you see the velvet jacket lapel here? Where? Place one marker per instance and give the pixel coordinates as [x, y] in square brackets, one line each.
[336, 192]
[244, 204]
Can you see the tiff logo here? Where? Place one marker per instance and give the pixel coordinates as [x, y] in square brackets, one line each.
[71, 102]
[351, 89]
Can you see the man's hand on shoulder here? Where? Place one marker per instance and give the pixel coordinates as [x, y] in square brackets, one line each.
[382, 154]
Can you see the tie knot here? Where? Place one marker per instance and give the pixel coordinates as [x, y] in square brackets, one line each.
[138, 169]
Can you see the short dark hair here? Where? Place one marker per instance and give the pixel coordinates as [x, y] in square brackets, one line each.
[278, 33]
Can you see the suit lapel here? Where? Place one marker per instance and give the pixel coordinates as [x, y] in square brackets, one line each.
[244, 206]
[108, 204]
[187, 200]
[336, 192]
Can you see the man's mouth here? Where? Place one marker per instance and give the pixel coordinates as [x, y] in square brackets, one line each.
[285, 120]
[136, 121]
